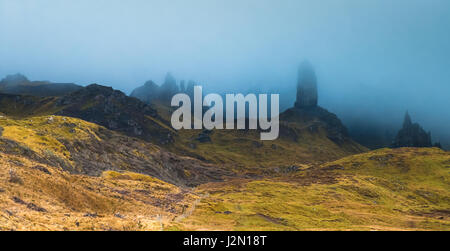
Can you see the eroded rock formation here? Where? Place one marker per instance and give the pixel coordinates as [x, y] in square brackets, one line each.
[151, 92]
[412, 135]
[169, 88]
[306, 86]
[306, 110]
[146, 93]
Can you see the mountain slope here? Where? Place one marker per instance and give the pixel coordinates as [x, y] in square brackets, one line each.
[401, 189]
[36, 196]
[116, 111]
[97, 104]
[81, 147]
[307, 136]
[63, 173]
[25, 106]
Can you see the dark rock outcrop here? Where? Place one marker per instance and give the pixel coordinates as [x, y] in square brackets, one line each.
[168, 89]
[116, 111]
[147, 93]
[307, 86]
[20, 85]
[151, 92]
[315, 118]
[204, 137]
[412, 135]
[306, 111]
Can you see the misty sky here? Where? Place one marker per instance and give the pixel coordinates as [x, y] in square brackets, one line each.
[373, 58]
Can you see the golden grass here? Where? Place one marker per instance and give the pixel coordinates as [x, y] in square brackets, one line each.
[362, 196]
[243, 151]
[387, 189]
[61, 201]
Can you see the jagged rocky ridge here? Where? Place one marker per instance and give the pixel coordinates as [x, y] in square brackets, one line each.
[151, 92]
[97, 104]
[116, 111]
[412, 135]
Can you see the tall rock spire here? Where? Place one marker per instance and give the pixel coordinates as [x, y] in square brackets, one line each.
[407, 121]
[168, 88]
[306, 86]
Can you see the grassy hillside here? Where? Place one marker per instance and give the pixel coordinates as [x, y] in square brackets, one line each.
[81, 147]
[304, 138]
[35, 196]
[24, 106]
[401, 189]
[300, 141]
[63, 173]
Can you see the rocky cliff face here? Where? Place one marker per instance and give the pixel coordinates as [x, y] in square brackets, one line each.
[116, 111]
[412, 135]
